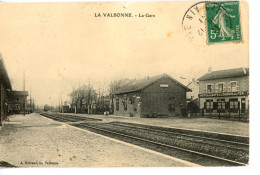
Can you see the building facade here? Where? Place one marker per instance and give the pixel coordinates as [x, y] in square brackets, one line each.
[5, 89]
[18, 103]
[225, 91]
[158, 96]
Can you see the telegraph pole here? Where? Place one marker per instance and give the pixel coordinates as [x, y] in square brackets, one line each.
[59, 103]
[24, 92]
[30, 99]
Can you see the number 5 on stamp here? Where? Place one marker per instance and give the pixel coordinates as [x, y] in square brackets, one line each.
[223, 22]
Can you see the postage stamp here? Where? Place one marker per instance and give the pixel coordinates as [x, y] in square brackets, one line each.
[223, 22]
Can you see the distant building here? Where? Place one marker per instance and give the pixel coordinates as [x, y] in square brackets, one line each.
[65, 109]
[155, 96]
[5, 89]
[194, 86]
[193, 97]
[225, 91]
[18, 102]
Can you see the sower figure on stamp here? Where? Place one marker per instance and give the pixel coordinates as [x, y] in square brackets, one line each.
[220, 19]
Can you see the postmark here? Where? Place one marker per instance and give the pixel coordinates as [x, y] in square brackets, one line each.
[223, 22]
[209, 22]
[194, 25]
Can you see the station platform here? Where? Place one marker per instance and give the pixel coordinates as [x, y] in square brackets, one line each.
[190, 123]
[35, 141]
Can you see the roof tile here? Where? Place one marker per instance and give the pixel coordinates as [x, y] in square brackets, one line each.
[138, 85]
[228, 73]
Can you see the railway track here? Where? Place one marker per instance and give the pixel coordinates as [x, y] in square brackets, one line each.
[189, 137]
[68, 118]
[206, 151]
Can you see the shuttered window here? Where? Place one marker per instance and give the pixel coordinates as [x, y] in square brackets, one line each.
[209, 88]
[220, 87]
[234, 85]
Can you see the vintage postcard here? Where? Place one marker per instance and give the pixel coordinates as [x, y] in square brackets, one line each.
[124, 84]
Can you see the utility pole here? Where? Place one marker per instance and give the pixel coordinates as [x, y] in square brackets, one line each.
[61, 105]
[33, 105]
[24, 92]
[30, 99]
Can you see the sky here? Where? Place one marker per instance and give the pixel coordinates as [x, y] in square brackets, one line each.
[62, 45]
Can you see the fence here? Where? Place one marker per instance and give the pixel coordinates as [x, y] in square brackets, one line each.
[239, 115]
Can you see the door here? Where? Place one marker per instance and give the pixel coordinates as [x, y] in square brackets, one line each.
[243, 105]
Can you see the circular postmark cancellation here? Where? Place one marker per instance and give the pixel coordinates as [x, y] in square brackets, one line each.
[209, 22]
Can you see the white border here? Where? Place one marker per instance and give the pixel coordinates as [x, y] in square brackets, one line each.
[253, 168]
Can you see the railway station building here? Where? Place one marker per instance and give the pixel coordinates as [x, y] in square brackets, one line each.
[158, 96]
[18, 102]
[5, 89]
[224, 91]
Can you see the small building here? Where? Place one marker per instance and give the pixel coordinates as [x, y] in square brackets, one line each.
[158, 96]
[194, 86]
[18, 102]
[5, 89]
[193, 97]
[224, 91]
[65, 109]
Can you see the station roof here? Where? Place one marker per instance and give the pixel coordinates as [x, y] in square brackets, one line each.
[20, 93]
[228, 73]
[138, 85]
[4, 75]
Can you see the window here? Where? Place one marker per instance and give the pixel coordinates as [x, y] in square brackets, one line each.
[233, 104]
[220, 87]
[209, 105]
[130, 101]
[17, 99]
[18, 107]
[133, 100]
[221, 105]
[117, 104]
[233, 86]
[125, 104]
[209, 88]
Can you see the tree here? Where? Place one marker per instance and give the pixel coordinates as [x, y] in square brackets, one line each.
[82, 98]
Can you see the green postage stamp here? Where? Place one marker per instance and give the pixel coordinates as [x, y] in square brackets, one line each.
[223, 22]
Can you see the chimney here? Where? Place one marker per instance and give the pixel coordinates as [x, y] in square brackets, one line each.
[193, 80]
[209, 69]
